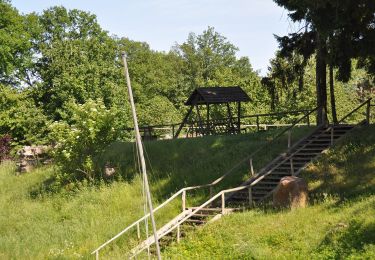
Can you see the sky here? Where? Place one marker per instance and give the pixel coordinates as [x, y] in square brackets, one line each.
[248, 24]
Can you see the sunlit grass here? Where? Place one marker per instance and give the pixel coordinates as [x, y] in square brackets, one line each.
[338, 224]
[36, 224]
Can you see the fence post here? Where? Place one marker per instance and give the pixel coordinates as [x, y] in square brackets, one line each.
[368, 111]
[289, 139]
[222, 203]
[250, 197]
[173, 132]
[257, 123]
[251, 167]
[211, 191]
[183, 200]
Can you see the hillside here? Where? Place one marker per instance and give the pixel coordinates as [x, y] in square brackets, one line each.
[71, 222]
[338, 224]
[41, 219]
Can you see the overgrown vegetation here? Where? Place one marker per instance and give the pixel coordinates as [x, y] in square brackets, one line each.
[61, 57]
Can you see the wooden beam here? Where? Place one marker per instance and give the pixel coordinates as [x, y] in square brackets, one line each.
[183, 122]
[239, 117]
[208, 118]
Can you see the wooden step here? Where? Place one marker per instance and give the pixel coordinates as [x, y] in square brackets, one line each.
[278, 178]
[196, 221]
[267, 182]
[202, 215]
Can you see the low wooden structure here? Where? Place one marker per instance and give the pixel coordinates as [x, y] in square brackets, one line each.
[206, 124]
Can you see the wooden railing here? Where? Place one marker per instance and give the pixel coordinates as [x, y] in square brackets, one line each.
[171, 129]
[183, 191]
[368, 105]
[223, 193]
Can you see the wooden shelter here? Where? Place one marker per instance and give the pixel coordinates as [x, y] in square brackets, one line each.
[205, 124]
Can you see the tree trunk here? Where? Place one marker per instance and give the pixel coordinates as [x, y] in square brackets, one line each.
[321, 79]
[332, 92]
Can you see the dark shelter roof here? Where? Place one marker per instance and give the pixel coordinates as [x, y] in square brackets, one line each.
[217, 95]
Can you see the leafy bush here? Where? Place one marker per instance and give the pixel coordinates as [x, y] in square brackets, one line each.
[5, 141]
[82, 134]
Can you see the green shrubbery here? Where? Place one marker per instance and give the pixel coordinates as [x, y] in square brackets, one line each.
[84, 132]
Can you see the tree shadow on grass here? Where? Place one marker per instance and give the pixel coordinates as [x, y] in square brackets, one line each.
[347, 172]
[346, 240]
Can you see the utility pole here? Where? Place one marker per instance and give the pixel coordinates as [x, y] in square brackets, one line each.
[140, 151]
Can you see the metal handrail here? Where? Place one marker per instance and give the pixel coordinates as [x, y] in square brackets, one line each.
[181, 191]
[223, 192]
[368, 102]
[218, 180]
[208, 202]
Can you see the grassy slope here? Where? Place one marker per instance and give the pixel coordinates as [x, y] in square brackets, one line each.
[35, 224]
[339, 223]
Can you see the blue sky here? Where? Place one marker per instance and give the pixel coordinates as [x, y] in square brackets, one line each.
[249, 25]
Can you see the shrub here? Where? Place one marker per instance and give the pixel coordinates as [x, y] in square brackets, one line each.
[82, 134]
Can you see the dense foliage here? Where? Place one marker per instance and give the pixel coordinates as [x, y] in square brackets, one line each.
[336, 32]
[84, 132]
[57, 63]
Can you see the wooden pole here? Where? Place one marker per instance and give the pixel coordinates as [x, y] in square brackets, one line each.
[239, 117]
[368, 112]
[183, 123]
[208, 119]
[140, 150]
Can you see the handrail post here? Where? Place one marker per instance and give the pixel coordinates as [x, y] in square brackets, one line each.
[250, 197]
[178, 234]
[251, 167]
[308, 119]
[96, 255]
[183, 200]
[138, 231]
[211, 191]
[291, 166]
[223, 203]
[368, 111]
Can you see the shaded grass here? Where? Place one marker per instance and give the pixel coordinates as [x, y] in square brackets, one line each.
[339, 224]
[36, 223]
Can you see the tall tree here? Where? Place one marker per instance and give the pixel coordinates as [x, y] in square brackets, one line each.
[342, 28]
[15, 53]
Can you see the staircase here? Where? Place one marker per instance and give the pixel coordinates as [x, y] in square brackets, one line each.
[290, 163]
[250, 193]
[255, 190]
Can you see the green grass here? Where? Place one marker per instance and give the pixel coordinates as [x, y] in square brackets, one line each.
[338, 224]
[69, 223]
